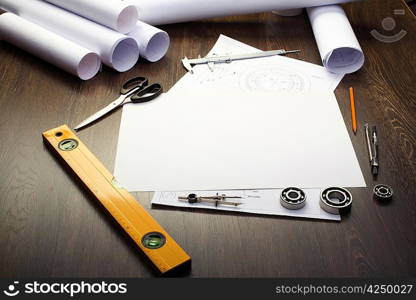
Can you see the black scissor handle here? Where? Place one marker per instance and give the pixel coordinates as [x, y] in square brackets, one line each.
[136, 82]
[148, 93]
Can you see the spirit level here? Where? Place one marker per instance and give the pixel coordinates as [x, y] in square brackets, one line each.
[151, 238]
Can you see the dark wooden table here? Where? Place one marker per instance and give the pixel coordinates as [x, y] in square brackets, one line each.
[49, 226]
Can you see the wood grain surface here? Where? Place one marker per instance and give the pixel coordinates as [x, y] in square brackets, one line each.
[50, 227]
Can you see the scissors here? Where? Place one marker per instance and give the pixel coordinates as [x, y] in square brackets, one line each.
[135, 90]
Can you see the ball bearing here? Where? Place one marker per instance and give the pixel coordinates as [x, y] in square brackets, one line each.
[383, 192]
[293, 198]
[336, 200]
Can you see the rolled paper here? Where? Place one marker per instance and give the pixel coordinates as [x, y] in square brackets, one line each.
[174, 11]
[116, 50]
[153, 42]
[118, 15]
[338, 46]
[49, 46]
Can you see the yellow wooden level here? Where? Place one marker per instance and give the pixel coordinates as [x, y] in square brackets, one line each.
[151, 238]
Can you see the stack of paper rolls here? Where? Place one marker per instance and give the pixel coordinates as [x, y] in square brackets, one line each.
[111, 30]
[102, 27]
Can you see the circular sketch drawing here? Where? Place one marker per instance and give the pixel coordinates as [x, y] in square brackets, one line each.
[274, 80]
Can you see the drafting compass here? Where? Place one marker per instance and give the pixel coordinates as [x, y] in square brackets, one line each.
[216, 59]
[217, 199]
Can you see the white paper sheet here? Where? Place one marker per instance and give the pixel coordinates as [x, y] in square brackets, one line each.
[175, 11]
[218, 140]
[50, 47]
[274, 74]
[118, 15]
[153, 42]
[337, 43]
[264, 202]
[115, 49]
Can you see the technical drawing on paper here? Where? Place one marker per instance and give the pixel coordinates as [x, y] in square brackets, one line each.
[244, 77]
[273, 79]
[268, 74]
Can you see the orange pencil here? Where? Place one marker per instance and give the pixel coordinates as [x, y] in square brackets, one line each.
[353, 112]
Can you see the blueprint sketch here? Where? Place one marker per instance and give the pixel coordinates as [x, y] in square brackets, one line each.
[267, 74]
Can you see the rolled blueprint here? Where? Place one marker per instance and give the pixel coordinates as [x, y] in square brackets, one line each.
[153, 42]
[115, 49]
[50, 47]
[337, 43]
[115, 14]
[175, 11]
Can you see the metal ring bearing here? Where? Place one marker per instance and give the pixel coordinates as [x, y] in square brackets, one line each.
[336, 200]
[383, 192]
[293, 198]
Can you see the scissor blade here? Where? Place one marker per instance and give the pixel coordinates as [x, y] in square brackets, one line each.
[113, 105]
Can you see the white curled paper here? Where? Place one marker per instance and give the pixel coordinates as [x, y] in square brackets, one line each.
[50, 47]
[116, 50]
[153, 42]
[175, 11]
[337, 43]
[118, 15]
